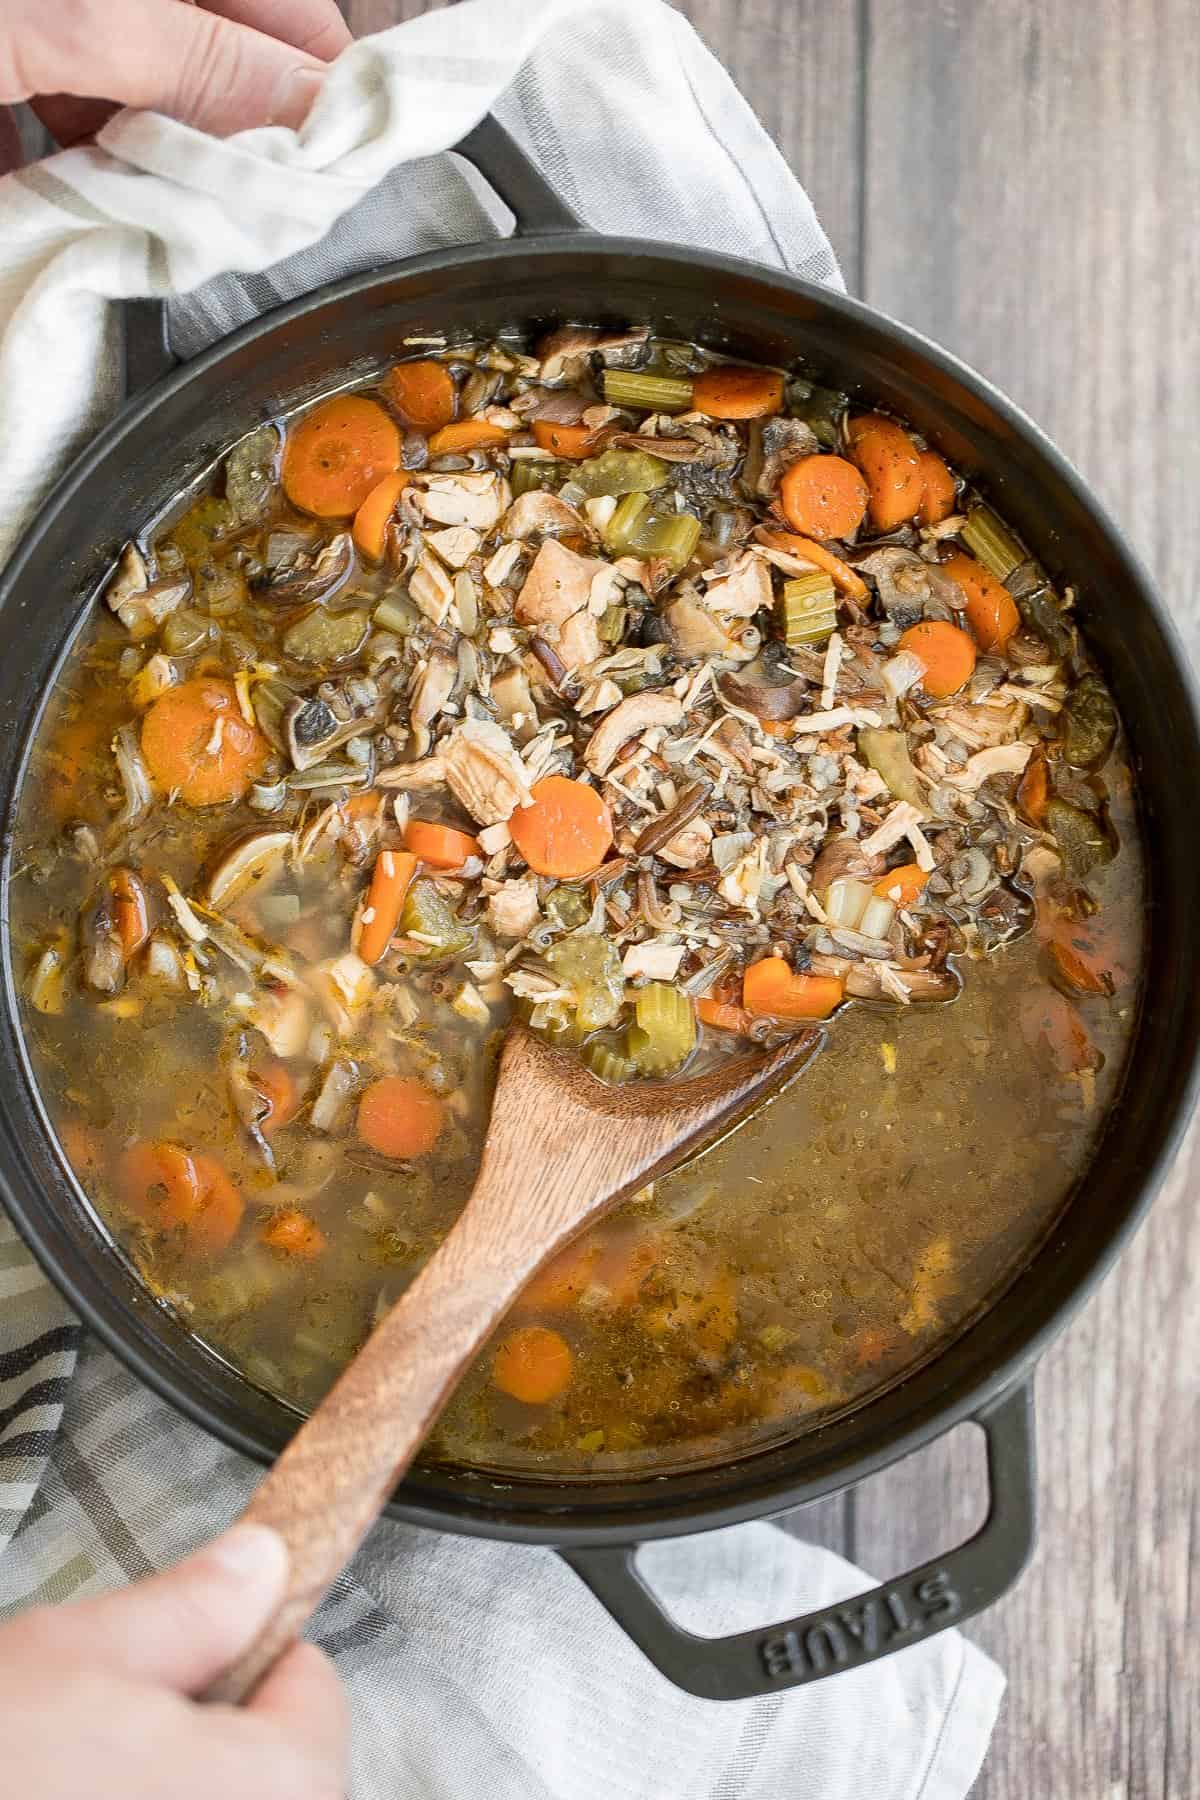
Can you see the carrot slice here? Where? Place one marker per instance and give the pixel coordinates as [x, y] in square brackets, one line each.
[335, 454]
[563, 1280]
[374, 515]
[737, 393]
[938, 489]
[823, 496]
[1034, 789]
[84, 1147]
[566, 832]
[724, 1015]
[902, 885]
[843, 575]
[707, 1315]
[159, 1184]
[293, 1233]
[219, 1212]
[400, 1117]
[888, 458]
[198, 745]
[772, 990]
[390, 882]
[570, 441]
[991, 610]
[422, 393]
[533, 1364]
[467, 434]
[946, 654]
[441, 846]
[71, 750]
[279, 1088]
[1049, 1022]
[133, 924]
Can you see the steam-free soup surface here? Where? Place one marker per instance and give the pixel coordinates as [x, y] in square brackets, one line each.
[675, 705]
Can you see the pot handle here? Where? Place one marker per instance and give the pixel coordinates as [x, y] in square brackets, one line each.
[489, 148]
[898, 1613]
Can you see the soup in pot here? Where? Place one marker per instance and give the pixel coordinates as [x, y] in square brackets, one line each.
[670, 704]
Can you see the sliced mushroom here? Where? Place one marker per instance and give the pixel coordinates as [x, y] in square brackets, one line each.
[318, 583]
[431, 589]
[332, 1096]
[667, 449]
[135, 777]
[311, 729]
[515, 702]
[774, 445]
[742, 588]
[433, 687]
[563, 352]
[139, 603]
[557, 406]
[249, 857]
[102, 960]
[841, 859]
[634, 715]
[910, 588]
[669, 824]
[281, 1014]
[538, 513]
[766, 700]
[695, 632]
[475, 499]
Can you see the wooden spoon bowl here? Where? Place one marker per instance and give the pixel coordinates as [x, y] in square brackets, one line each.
[561, 1149]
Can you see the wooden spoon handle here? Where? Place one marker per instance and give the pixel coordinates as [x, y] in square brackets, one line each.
[333, 1479]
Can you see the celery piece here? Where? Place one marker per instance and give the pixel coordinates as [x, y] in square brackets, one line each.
[529, 472]
[991, 542]
[674, 537]
[428, 915]
[619, 472]
[608, 1064]
[611, 628]
[885, 750]
[807, 610]
[620, 530]
[569, 907]
[590, 966]
[821, 408]
[664, 1033]
[323, 638]
[651, 393]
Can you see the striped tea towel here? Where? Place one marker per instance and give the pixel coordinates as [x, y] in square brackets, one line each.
[473, 1667]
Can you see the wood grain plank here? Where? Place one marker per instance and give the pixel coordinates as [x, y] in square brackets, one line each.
[1030, 200]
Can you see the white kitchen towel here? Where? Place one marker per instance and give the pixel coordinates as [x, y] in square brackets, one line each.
[473, 1667]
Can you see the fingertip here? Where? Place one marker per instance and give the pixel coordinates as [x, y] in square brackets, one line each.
[303, 1693]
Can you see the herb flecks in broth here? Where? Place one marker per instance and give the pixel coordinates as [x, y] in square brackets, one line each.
[671, 703]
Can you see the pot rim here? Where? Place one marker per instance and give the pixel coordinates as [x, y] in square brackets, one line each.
[470, 1503]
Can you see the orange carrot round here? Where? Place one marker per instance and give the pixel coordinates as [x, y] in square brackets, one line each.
[938, 490]
[736, 393]
[572, 442]
[563, 1280]
[533, 1364]
[991, 610]
[566, 832]
[71, 751]
[197, 743]
[724, 1016]
[467, 434]
[441, 846]
[904, 885]
[219, 1211]
[293, 1233]
[390, 882]
[335, 454]
[279, 1088]
[945, 653]
[629, 1264]
[422, 393]
[823, 496]
[159, 1184]
[772, 990]
[400, 1117]
[888, 458]
[374, 515]
[84, 1148]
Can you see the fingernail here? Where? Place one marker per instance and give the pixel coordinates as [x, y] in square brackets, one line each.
[294, 97]
[251, 1553]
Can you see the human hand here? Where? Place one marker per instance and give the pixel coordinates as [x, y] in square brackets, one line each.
[222, 65]
[95, 1695]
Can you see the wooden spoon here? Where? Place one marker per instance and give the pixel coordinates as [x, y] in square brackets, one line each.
[562, 1147]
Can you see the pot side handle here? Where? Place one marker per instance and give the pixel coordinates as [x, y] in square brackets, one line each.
[890, 1617]
[488, 147]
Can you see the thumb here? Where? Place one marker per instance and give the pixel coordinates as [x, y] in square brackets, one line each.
[181, 1629]
[208, 71]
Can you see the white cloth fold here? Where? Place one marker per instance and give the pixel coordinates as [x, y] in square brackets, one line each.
[474, 1667]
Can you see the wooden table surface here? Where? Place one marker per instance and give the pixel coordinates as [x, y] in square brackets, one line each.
[1021, 180]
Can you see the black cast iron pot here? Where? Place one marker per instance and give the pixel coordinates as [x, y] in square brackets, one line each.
[556, 272]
